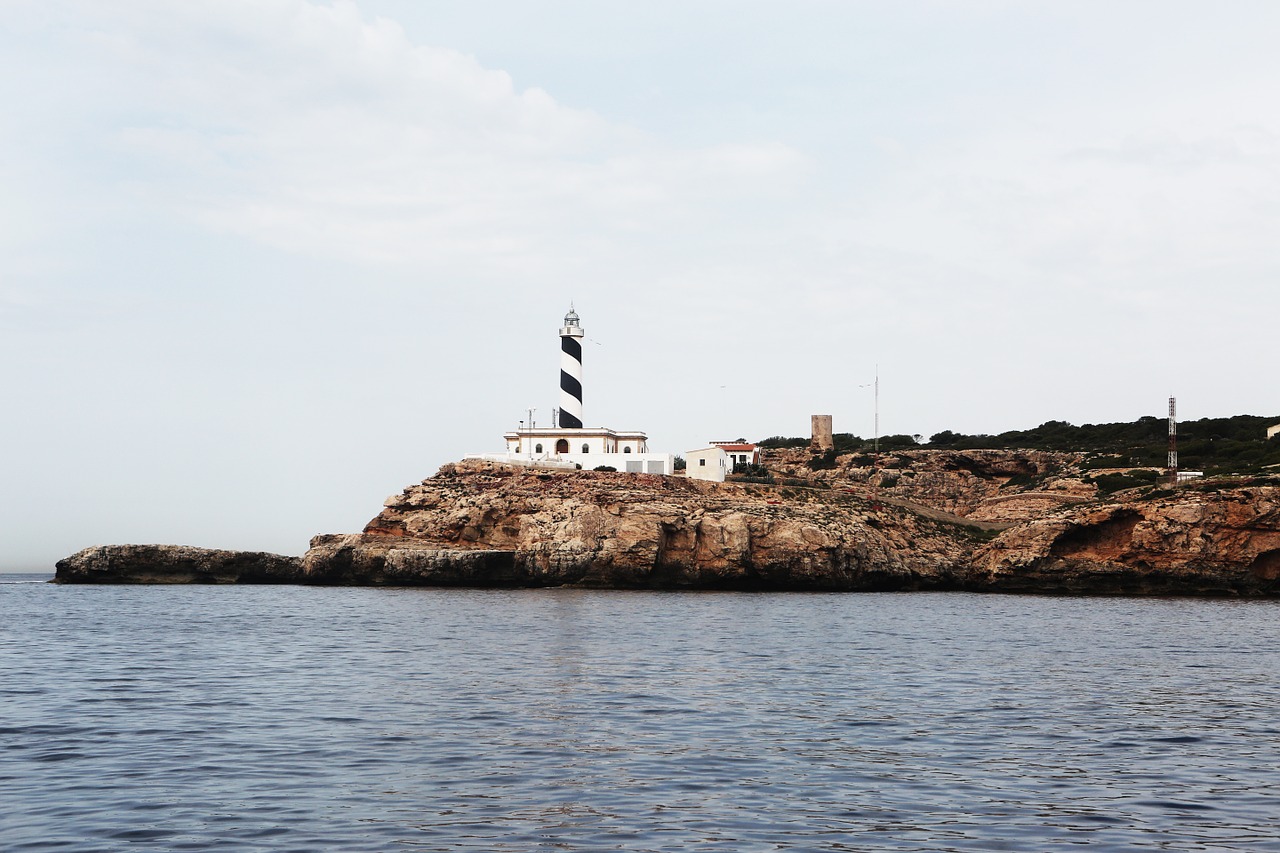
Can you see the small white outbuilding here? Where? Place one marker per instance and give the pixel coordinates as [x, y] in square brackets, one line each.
[1273, 431]
[708, 463]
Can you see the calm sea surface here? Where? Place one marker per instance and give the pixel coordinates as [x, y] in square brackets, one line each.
[293, 718]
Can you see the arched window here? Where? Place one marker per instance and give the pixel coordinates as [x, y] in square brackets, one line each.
[586, 448]
[562, 446]
[537, 448]
[626, 450]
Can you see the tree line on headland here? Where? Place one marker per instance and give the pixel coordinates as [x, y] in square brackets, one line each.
[1214, 445]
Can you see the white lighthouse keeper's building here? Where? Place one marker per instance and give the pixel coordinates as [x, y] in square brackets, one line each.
[571, 444]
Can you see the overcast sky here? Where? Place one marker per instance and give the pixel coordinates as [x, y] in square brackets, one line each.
[265, 262]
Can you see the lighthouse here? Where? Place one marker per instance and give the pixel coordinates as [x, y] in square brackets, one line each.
[571, 372]
[567, 443]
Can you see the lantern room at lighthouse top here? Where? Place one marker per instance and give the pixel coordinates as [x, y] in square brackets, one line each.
[572, 327]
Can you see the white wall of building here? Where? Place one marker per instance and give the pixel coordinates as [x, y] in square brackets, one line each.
[589, 448]
[538, 445]
[709, 463]
[635, 463]
[520, 461]
[1273, 431]
[576, 441]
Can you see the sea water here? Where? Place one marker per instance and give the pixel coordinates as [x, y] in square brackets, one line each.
[272, 718]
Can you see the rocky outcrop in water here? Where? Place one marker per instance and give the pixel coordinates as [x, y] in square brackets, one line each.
[175, 564]
[1196, 541]
[484, 523]
[970, 520]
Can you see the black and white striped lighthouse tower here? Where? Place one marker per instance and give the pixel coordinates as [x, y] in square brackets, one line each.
[571, 372]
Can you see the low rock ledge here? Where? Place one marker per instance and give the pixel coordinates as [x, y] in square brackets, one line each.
[176, 564]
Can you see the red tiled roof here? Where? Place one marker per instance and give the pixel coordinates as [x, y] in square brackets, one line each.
[733, 445]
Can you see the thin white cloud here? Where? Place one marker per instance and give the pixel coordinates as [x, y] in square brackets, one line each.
[316, 130]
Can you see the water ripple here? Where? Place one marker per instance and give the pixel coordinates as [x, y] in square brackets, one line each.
[287, 718]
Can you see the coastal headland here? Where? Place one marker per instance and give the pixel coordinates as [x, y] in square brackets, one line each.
[977, 520]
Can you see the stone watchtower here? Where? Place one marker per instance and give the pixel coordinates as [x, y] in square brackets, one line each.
[821, 439]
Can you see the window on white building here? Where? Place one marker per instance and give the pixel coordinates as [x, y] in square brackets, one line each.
[702, 463]
[537, 448]
[626, 450]
[586, 448]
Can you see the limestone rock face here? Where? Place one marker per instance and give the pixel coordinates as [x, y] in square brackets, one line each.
[379, 560]
[1000, 486]
[486, 524]
[1204, 542]
[175, 564]
[1002, 521]
[482, 523]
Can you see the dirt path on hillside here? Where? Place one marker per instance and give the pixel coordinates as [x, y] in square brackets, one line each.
[917, 508]
[942, 515]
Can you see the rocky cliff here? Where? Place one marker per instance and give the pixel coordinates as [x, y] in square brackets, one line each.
[1214, 541]
[485, 523]
[971, 520]
[975, 520]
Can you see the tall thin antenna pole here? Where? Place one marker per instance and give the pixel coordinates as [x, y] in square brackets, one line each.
[1173, 441]
[877, 423]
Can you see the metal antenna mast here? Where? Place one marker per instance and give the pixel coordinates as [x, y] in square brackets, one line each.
[877, 422]
[1173, 441]
[875, 440]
